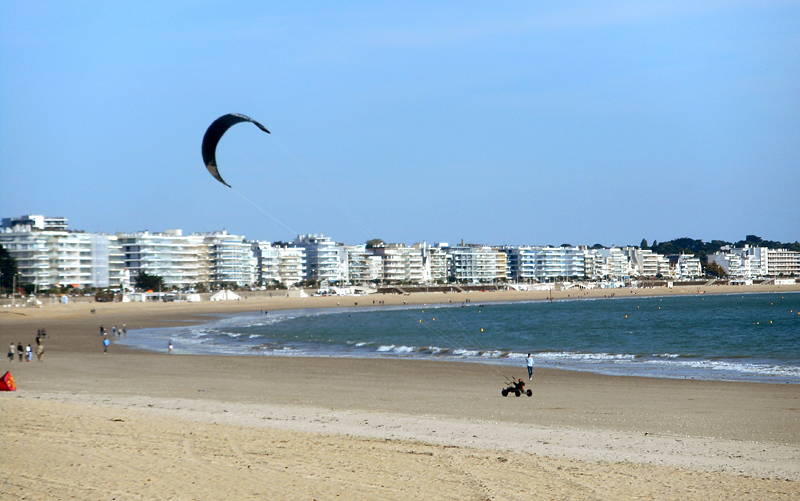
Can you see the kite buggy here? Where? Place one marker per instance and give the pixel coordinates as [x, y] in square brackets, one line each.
[517, 388]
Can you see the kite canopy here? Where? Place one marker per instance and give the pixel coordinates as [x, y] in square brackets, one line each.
[214, 134]
[7, 382]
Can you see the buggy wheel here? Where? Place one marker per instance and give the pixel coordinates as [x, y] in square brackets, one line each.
[516, 393]
[530, 393]
[505, 393]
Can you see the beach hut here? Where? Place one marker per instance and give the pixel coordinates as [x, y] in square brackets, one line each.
[225, 295]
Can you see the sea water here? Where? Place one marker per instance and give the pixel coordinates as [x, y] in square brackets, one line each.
[735, 337]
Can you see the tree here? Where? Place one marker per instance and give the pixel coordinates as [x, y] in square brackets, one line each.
[643, 245]
[715, 270]
[375, 242]
[147, 282]
[8, 269]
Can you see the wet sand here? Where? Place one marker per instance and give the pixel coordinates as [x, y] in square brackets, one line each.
[137, 425]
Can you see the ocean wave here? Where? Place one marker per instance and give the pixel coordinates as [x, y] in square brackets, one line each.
[396, 349]
[739, 367]
[585, 357]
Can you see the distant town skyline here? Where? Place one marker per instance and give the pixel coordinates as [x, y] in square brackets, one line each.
[590, 122]
[48, 255]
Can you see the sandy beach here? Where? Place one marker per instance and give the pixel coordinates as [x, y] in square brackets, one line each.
[139, 425]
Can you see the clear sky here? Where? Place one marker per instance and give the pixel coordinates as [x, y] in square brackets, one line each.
[503, 122]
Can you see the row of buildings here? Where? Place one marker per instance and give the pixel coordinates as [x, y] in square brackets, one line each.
[49, 255]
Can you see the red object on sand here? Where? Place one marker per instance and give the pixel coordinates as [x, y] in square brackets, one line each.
[7, 382]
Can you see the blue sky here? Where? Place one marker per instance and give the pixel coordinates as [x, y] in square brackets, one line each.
[493, 122]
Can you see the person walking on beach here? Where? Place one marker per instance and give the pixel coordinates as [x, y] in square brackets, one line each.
[530, 366]
[29, 353]
[39, 352]
[11, 353]
[106, 342]
[20, 351]
[169, 346]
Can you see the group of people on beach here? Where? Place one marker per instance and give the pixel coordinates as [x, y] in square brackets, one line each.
[26, 352]
[123, 332]
[114, 331]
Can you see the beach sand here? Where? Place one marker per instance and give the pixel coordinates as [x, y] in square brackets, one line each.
[138, 425]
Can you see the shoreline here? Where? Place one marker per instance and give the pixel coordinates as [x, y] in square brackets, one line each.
[187, 313]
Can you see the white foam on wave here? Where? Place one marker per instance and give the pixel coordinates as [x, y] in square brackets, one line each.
[491, 354]
[396, 349]
[740, 367]
[585, 357]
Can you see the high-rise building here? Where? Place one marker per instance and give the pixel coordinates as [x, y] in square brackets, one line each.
[325, 259]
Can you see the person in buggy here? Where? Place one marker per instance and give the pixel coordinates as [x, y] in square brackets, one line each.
[517, 388]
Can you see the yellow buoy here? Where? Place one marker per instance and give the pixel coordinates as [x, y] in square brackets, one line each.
[626, 316]
[481, 329]
[420, 320]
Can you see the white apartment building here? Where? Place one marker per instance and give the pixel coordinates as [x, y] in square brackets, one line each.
[473, 263]
[644, 262]
[267, 263]
[688, 267]
[610, 263]
[232, 259]
[58, 258]
[291, 264]
[434, 262]
[281, 263]
[325, 261]
[755, 262]
[36, 222]
[782, 262]
[170, 255]
[375, 269]
[500, 265]
[401, 263]
[525, 264]
[736, 265]
[358, 264]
